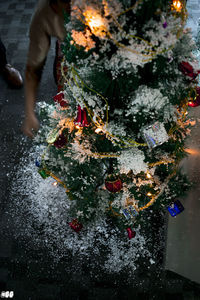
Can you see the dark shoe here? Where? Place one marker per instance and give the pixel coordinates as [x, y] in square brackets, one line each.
[12, 76]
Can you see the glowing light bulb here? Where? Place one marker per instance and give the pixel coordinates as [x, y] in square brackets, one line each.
[148, 175]
[55, 183]
[177, 5]
[98, 130]
[96, 22]
[149, 194]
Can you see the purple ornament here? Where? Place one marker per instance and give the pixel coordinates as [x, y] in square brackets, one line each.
[165, 25]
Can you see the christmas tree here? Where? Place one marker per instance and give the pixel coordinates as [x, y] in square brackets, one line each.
[114, 136]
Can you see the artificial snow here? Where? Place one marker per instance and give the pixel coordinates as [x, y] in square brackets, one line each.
[47, 208]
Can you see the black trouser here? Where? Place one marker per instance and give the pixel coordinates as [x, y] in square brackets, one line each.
[3, 59]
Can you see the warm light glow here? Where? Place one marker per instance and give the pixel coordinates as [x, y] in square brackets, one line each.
[55, 183]
[177, 5]
[149, 194]
[192, 151]
[95, 21]
[83, 39]
[148, 175]
[98, 130]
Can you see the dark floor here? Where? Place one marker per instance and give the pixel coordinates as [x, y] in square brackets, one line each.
[30, 272]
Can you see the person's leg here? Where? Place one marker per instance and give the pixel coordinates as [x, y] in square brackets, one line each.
[3, 59]
[10, 74]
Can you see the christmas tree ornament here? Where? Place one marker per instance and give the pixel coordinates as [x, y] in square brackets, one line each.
[131, 233]
[155, 135]
[126, 213]
[75, 225]
[165, 25]
[175, 208]
[187, 69]
[53, 135]
[38, 163]
[61, 141]
[130, 212]
[59, 98]
[195, 101]
[43, 173]
[112, 184]
[81, 119]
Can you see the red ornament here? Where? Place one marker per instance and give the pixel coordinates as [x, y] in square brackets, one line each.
[195, 102]
[59, 98]
[131, 233]
[61, 141]
[188, 70]
[113, 186]
[75, 225]
[81, 119]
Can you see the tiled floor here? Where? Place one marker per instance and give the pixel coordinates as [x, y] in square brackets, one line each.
[183, 247]
[21, 270]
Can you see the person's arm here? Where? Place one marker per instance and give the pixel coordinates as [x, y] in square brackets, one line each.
[38, 49]
[31, 85]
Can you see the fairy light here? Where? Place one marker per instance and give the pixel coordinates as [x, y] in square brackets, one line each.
[95, 22]
[148, 175]
[55, 183]
[98, 130]
[177, 5]
[149, 194]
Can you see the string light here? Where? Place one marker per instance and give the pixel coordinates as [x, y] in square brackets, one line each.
[149, 194]
[98, 130]
[177, 5]
[55, 183]
[148, 175]
[96, 23]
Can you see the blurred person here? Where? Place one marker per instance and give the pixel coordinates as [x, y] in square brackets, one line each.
[9, 73]
[47, 22]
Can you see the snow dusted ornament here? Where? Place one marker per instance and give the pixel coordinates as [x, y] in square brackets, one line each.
[81, 119]
[187, 69]
[113, 185]
[130, 212]
[60, 98]
[75, 225]
[131, 233]
[155, 135]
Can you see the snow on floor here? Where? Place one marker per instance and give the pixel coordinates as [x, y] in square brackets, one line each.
[40, 212]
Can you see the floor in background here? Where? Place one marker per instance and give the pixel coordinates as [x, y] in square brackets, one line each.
[183, 245]
[31, 274]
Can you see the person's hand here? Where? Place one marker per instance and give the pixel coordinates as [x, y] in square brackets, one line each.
[30, 125]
